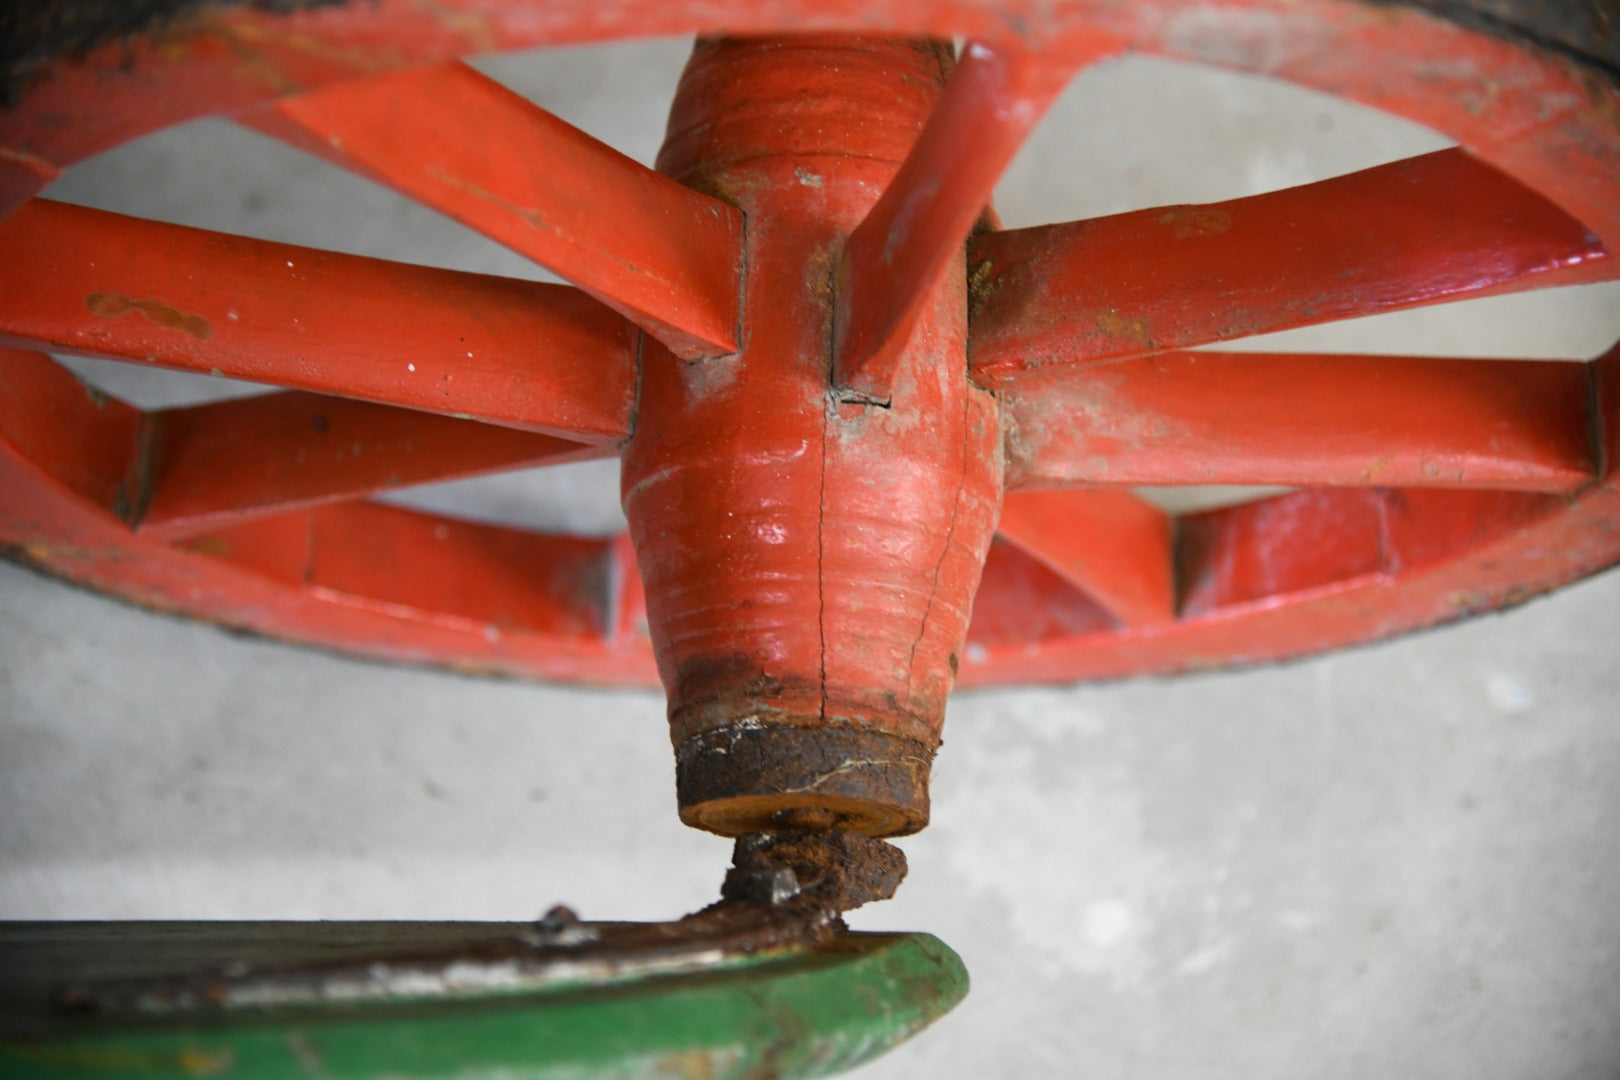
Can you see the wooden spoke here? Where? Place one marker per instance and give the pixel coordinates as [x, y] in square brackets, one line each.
[412, 567]
[1312, 543]
[1438, 227]
[1293, 545]
[210, 465]
[1022, 601]
[1110, 544]
[627, 597]
[542, 357]
[489, 575]
[81, 442]
[892, 261]
[665, 256]
[1303, 420]
[180, 471]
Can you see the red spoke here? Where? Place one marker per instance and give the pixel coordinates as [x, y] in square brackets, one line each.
[1022, 603]
[211, 465]
[1303, 420]
[627, 597]
[85, 443]
[543, 357]
[496, 577]
[1313, 543]
[21, 175]
[1289, 546]
[665, 256]
[1111, 544]
[894, 258]
[453, 574]
[1437, 227]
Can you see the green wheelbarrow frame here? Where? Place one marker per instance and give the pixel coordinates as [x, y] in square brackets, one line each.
[87, 999]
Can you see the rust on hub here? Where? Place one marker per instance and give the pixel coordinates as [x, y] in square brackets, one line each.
[735, 779]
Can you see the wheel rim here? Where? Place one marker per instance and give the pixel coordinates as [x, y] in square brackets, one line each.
[1083, 582]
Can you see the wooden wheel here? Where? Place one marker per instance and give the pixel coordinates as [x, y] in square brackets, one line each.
[847, 415]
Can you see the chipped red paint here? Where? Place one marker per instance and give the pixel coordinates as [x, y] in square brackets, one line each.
[1282, 577]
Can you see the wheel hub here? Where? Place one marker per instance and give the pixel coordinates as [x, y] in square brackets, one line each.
[810, 556]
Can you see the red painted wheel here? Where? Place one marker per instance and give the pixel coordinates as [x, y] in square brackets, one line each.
[761, 337]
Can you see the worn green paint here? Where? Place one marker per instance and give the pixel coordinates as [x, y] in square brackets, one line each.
[810, 1012]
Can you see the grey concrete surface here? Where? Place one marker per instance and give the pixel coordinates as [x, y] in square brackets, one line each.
[1401, 860]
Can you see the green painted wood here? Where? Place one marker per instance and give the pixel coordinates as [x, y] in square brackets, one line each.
[797, 1013]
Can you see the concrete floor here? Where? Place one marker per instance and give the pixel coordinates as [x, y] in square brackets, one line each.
[1402, 860]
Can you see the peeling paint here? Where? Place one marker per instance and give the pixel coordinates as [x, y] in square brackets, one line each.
[1187, 222]
[112, 305]
[1114, 324]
